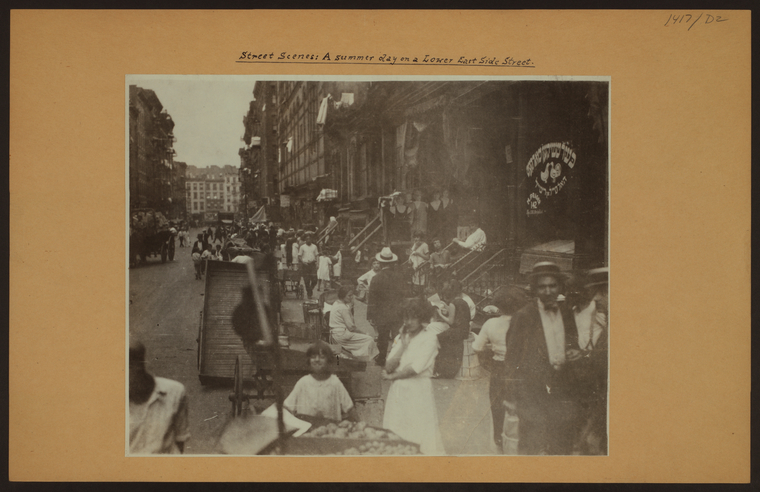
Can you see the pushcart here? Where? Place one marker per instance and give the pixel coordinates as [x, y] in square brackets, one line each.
[290, 281]
[223, 358]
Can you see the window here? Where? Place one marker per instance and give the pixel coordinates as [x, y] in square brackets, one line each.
[195, 186]
[195, 205]
[208, 196]
[214, 186]
[228, 189]
[195, 195]
[208, 186]
[214, 196]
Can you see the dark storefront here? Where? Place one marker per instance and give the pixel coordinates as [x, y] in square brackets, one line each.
[530, 160]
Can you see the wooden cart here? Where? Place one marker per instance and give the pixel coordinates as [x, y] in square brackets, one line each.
[222, 357]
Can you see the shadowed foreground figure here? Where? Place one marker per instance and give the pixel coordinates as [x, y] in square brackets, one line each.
[158, 421]
[245, 320]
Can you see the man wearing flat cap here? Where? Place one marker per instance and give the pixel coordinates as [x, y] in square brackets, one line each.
[542, 344]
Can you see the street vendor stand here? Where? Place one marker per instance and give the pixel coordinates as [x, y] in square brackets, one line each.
[225, 356]
[221, 352]
[256, 435]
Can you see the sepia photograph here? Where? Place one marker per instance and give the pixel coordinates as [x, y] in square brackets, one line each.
[367, 265]
[327, 235]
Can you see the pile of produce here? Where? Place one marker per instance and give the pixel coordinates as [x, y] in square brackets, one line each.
[330, 438]
[380, 448]
[351, 430]
[149, 221]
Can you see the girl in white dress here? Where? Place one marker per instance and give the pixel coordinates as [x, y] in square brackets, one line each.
[320, 394]
[410, 409]
[323, 271]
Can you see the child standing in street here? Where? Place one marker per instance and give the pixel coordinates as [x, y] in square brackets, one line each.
[323, 271]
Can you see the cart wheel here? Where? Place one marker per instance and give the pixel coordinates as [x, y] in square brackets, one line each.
[237, 396]
[171, 253]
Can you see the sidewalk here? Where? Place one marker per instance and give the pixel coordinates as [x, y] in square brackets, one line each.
[464, 410]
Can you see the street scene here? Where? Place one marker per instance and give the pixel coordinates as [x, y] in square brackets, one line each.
[379, 267]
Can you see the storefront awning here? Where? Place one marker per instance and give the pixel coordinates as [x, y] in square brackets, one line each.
[560, 252]
[260, 215]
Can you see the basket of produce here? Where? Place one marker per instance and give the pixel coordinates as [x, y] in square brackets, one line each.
[350, 439]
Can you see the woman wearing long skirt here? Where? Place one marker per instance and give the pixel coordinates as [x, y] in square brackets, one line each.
[343, 328]
[410, 409]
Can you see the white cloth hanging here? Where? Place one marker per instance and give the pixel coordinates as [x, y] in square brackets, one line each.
[322, 116]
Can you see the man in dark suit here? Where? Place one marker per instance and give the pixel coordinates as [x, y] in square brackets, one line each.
[542, 344]
[384, 302]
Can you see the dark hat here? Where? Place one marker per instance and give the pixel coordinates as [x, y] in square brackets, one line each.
[547, 269]
[597, 276]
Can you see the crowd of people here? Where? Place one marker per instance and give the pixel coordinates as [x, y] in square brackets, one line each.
[547, 364]
[546, 354]
[545, 347]
[436, 218]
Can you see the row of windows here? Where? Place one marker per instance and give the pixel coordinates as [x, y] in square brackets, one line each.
[199, 206]
[209, 196]
[230, 189]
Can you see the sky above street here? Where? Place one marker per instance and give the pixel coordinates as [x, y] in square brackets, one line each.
[207, 112]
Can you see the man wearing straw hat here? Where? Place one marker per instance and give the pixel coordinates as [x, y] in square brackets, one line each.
[542, 344]
[384, 302]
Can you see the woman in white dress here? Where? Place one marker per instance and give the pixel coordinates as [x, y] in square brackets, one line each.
[410, 408]
[343, 328]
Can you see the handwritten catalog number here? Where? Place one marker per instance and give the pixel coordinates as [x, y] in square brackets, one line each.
[690, 20]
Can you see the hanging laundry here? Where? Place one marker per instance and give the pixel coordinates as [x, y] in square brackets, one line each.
[322, 116]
